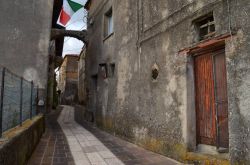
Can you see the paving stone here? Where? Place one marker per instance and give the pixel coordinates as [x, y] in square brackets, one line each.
[82, 162]
[89, 149]
[95, 157]
[101, 148]
[67, 142]
[79, 156]
[106, 154]
[113, 161]
[75, 148]
[99, 163]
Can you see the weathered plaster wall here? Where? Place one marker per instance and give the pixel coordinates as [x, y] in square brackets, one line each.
[238, 59]
[25, 34]
[81, 79]
[62, 75]
[160, 115]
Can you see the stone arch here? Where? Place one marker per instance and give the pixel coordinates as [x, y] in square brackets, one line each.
[58, 33]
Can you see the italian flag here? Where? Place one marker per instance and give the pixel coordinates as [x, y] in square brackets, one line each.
[69, 8]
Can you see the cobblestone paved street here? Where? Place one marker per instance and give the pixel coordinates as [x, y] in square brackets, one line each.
[89, 146]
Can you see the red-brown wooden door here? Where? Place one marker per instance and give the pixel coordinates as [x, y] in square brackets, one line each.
[221, 99]
[211, 99]
[205, 101]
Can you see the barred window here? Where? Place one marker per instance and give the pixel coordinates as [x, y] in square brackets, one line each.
[206, 27]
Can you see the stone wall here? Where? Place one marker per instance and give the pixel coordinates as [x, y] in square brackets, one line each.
[25, 38]
[160, 114]
[81, 79]
[24, 41]
[68, 79]
[21, 142]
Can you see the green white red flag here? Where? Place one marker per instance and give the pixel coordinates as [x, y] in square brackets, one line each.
[70, 7]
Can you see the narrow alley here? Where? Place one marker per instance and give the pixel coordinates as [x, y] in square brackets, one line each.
[65, 142]
[125, 82]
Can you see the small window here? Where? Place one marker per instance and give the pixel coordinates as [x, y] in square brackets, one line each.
[206, 27]
[108, 23]
[103, 70]
[112, 70]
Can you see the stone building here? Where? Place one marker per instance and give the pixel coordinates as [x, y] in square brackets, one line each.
[25, 36]
[172, 76]
[68, 78]
[81, 78]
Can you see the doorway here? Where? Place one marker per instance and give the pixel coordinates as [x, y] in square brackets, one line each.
[211, 98]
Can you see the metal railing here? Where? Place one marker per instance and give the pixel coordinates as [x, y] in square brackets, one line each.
[18, 100]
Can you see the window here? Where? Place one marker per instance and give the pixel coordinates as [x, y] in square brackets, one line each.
[206, 27]
[112, 70]
[108, 23]
[103, 70]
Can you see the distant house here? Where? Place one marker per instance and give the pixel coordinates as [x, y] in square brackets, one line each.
[68, 78]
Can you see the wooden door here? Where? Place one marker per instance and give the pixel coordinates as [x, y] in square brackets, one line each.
[211, 99]
[221, 103]
[205, 101]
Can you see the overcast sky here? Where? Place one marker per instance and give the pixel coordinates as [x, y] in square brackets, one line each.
[72, 45]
